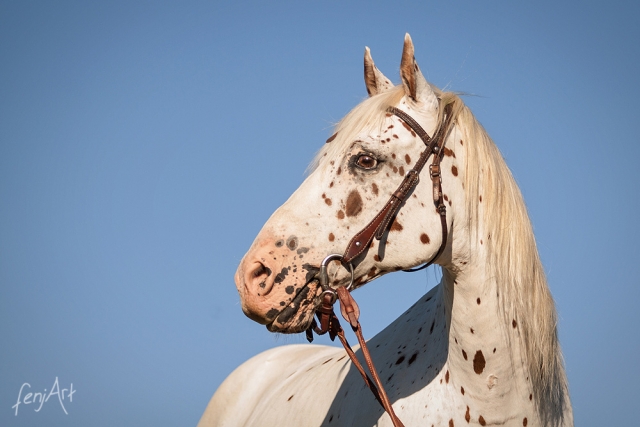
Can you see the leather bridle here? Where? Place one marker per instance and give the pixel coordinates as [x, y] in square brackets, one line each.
[377, 228]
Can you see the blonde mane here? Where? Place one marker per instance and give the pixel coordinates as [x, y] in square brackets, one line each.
[513, 260]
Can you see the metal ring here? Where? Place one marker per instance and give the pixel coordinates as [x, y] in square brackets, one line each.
[324, 277]
[330, 258]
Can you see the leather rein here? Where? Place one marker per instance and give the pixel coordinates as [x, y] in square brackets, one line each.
[377, 228]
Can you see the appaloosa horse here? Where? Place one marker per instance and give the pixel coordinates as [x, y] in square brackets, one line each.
[480, 348]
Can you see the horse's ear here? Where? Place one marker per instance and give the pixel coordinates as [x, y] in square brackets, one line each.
[375, 81]
[415, 85]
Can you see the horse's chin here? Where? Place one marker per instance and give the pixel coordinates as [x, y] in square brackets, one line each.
[298, 315]
[294, 327]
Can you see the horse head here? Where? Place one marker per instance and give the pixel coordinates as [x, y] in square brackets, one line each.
[352, 178]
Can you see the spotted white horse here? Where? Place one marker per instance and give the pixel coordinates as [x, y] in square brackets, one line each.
[480, 348]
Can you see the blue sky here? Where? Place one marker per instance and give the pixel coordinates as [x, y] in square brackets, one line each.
[144, 144]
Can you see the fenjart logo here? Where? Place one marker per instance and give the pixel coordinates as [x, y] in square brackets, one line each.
[26, 397]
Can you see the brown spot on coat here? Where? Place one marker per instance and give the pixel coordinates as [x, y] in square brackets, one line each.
[478, 362]
[374, 188]
[514, 324]
[354, 203]
[461, 143]
[482, 421]
[290, 397]
[525, 422]
[328, 201]
[462, 390]
[464, 354]
[407, 159]
[376, 258]
[480, 198]
[467, 415]
[395, 225]
[332, 137]
[478, 301]
[339, 171]
[401, 170]
[454, 170]
[449, 153]
[446, 377]
[340, 214]
[292, 242]
[451, 423]
[372, 272]
[424, 238]
[331, 237]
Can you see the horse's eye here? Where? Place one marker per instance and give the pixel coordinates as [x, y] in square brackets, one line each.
[366, 161]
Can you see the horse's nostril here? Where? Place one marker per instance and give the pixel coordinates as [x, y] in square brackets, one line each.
[257, 279]
[262, 270]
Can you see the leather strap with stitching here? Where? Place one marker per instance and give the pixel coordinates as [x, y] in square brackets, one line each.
[382, 221]
[329, 323]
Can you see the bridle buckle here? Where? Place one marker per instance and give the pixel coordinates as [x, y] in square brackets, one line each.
[434, 170]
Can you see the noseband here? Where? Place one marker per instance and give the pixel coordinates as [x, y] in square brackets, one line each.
[362, 240]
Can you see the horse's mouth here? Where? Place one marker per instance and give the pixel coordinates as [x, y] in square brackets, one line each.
[298, 314]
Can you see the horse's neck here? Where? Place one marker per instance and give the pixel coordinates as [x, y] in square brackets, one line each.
[484, 347]
[454, 337]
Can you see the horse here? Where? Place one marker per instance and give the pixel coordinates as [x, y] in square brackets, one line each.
[479, 348]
